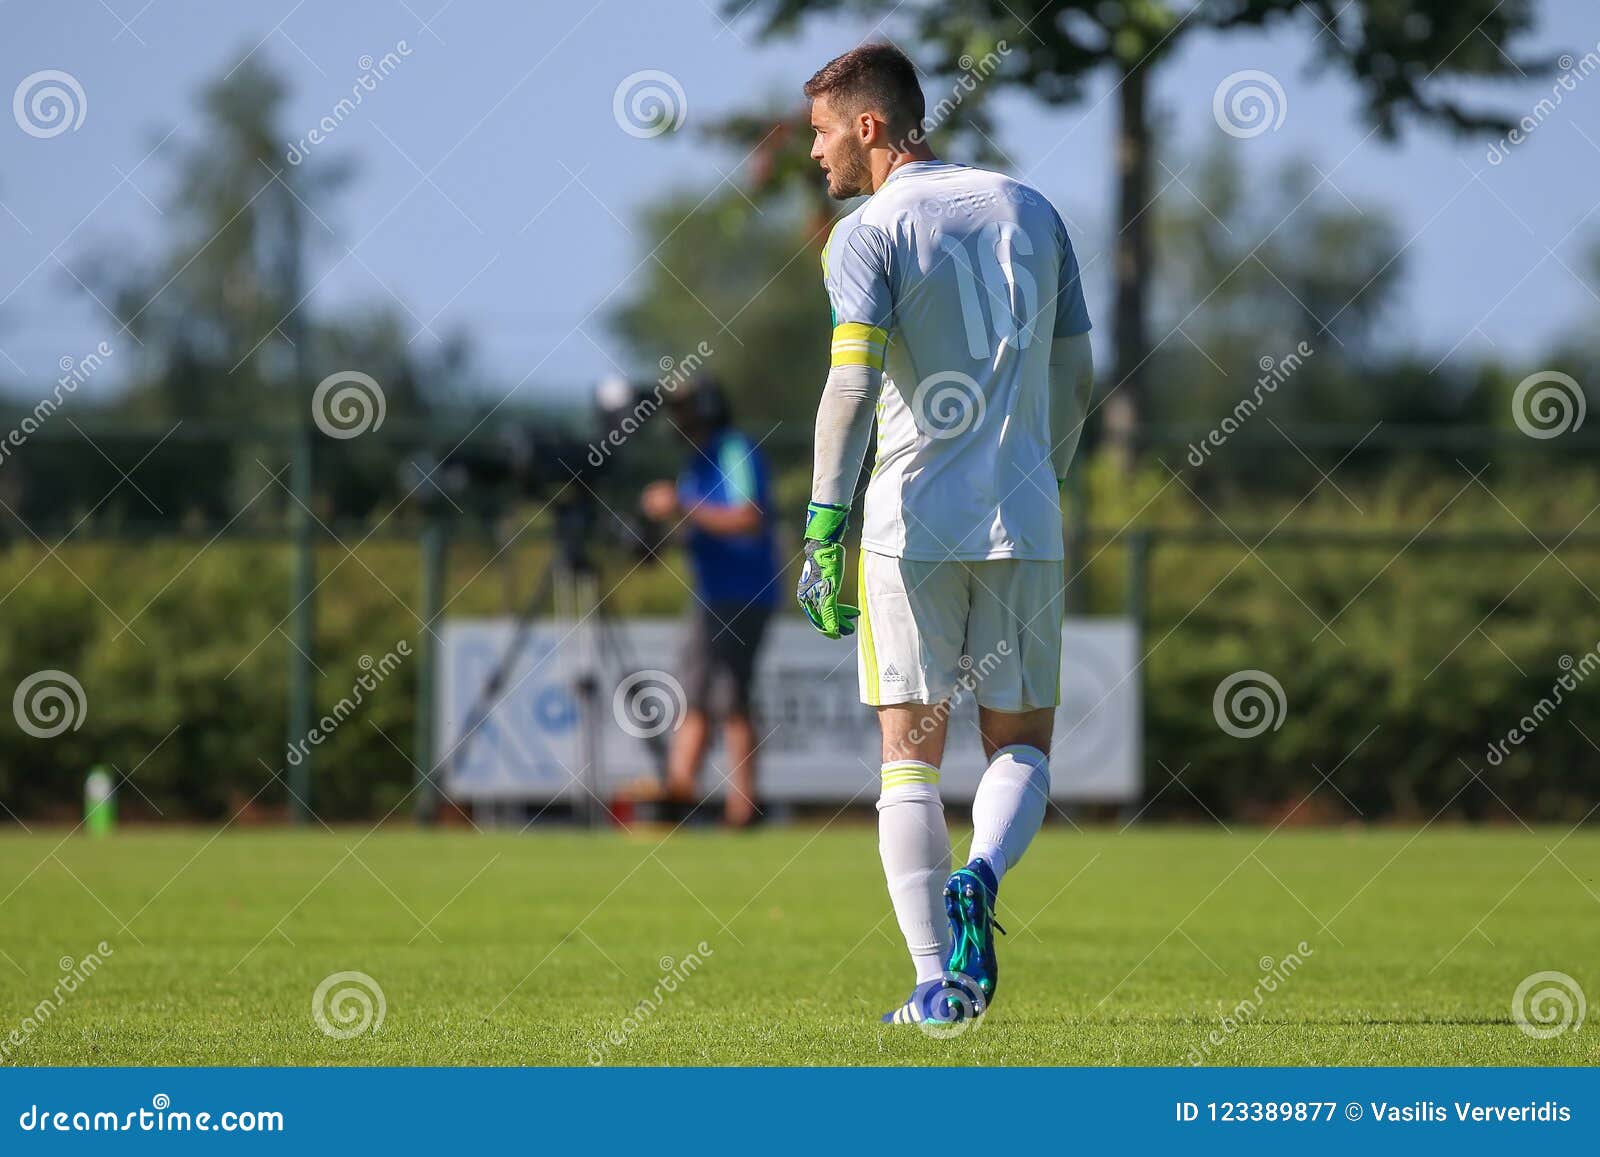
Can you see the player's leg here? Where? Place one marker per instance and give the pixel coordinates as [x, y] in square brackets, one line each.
[909, 645]
[739, 741]
[738, 643]
[913, 841]
[1017, 615]
[1015, 647]
[685, 754]
[692, 737]
[1015, 789]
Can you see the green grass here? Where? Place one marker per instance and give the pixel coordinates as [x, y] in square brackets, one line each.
[503, 949]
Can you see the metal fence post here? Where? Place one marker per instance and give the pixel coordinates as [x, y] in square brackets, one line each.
[1138, 577]
[302, 687]
[1076, 495]
[433, 563]
[1136, 598]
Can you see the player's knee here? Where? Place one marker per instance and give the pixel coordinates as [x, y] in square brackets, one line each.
[1031, 729]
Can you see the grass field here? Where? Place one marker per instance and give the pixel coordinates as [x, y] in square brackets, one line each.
[503, 949]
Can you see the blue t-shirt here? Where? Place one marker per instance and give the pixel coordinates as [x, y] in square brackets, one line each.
[741, 568]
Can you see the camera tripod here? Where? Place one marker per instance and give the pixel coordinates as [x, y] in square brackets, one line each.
[571, 585]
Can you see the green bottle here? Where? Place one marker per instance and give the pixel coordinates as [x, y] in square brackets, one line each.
[99, 802]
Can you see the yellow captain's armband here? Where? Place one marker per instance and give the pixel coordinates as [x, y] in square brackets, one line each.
[855, 344]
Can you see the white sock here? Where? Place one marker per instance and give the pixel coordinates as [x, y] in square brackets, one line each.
[1009, 806]
[915, 847]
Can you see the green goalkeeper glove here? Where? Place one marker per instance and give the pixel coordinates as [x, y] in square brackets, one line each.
[823, 573]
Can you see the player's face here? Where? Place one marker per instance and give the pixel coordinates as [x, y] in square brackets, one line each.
[839, 150]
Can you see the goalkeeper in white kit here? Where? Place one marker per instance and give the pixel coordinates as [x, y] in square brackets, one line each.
[959, 322]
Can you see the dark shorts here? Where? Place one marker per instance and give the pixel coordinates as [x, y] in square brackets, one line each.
[719, 656]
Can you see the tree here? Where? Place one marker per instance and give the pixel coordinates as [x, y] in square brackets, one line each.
[1326, 282]
[729, 287]
[226, 336]
[219, 312]
[1407, 58]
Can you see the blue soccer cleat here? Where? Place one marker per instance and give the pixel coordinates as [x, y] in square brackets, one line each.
[929, 1001]
[969, 899]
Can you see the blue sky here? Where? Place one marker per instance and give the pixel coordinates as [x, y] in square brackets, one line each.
[498, 195]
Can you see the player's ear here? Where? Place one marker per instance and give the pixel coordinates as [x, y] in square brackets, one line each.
[867, 127]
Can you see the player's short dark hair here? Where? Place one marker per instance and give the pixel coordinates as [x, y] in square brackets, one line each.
[878, 77]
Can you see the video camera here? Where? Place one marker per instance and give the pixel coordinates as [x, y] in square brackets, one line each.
[588, 471]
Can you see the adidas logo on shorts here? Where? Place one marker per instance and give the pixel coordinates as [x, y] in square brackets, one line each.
[892, 674]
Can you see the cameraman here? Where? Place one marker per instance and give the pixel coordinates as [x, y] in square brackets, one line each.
[722, 496]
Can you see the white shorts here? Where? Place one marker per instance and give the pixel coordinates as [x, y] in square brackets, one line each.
[992, 627]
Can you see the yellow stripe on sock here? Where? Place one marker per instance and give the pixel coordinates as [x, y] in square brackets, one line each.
[905, 774]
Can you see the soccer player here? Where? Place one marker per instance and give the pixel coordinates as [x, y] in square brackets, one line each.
[959, 322]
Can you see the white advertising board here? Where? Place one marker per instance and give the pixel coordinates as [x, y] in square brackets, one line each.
[820, 743]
